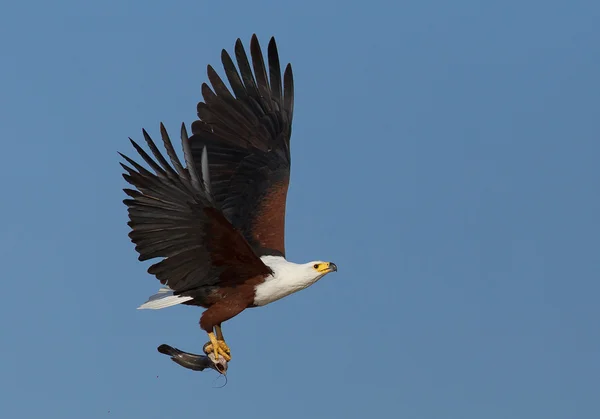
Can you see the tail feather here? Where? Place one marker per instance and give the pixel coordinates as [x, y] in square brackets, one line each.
[164, 298]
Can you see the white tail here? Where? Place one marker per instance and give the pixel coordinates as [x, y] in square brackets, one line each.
[164, 298]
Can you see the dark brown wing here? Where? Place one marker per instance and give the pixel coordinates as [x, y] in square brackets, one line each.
[245, 137]
[173, 217]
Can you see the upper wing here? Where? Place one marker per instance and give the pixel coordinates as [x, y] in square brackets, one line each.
[245, 138]
[172, 216]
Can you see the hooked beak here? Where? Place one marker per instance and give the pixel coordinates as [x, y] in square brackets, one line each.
[330, 267]
[326, 267]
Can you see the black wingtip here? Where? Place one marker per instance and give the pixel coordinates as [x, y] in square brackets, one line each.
[146, 136]
[254, 43]
[184, 133]
[134, 144]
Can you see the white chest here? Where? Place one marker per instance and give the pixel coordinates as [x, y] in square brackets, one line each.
[275, 288]
[287, 279]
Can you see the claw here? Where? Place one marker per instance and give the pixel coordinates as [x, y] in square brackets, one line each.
[218, 347]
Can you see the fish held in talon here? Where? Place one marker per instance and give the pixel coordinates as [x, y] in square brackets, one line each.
[216, 219]
[194, 362]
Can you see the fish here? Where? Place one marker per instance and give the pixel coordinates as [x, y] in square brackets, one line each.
[193, 361]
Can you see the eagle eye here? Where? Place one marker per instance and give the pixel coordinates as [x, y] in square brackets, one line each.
[316, 266]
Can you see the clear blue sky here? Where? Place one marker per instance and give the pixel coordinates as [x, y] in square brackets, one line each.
[445, 156]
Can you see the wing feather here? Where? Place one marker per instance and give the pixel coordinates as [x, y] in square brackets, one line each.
[260, 72]
[171, 216]
[274, 72]
[233, 76]
[171, 151]
[244, 135]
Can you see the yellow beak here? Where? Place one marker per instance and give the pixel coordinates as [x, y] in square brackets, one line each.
[327, 267]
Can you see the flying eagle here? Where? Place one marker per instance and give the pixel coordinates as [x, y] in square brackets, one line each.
[218, 222]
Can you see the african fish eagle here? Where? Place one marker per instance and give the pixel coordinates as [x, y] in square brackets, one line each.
[218, 222]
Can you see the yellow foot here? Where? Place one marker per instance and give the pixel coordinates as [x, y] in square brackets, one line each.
[218, 346]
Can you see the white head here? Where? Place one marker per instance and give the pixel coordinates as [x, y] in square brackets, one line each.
[321, 268]
[307, 272]
[289, 278]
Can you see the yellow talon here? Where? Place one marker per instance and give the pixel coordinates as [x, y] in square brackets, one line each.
[223, 347]
[218, 347]
[219, 333]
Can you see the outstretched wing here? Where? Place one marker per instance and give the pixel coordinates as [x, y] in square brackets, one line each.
[244, 137]
[172, 216]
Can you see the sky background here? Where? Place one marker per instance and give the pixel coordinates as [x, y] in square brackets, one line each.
[445, 156]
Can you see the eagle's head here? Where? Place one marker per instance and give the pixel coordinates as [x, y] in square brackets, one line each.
[289, 277]
[322, 268]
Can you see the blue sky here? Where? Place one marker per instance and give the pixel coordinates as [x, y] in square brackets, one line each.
[445, 156]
